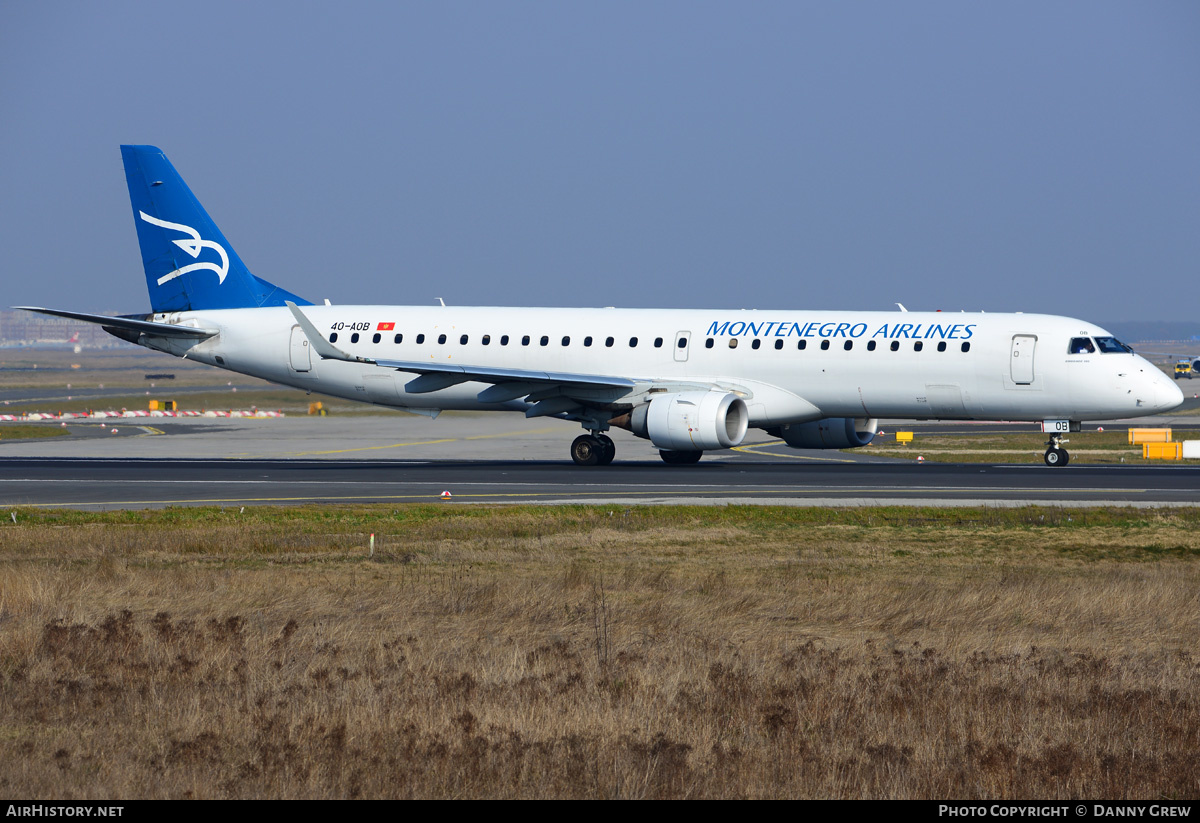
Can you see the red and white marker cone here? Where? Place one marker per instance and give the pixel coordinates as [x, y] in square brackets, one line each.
[446, 495]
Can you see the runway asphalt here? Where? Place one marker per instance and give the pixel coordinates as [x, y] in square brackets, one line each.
[142, 483]
[507, 459]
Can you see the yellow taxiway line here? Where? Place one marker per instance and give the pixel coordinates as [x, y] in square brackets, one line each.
[752, 450]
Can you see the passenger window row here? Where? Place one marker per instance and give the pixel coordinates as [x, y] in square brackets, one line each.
[848, 345]
[526, 340]
[682, 342]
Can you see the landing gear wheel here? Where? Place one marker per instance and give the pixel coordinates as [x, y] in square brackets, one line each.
[680, 458]
[587, 450]
[1056, 457]
[609, 449]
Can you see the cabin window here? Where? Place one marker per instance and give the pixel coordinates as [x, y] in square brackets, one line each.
[708, 344]
[504, 340]
[918, 346]
[333, 337]
[633, 342]
[942, 346]
[658, 342]
[848, 345]
[870, 345]
[733, 342]
[608, 341]
[778, 345]
[525, 340]
[486, 339]
[587, 342]
[354, 337]
[420, 338]
[756, 343]
[966, 347]
[398, 339]
[682, 343]
[824, 345]
[462, 341]
[895, 345]
[566, 341]
[545, 341]
[441, 339]
[376, 338]
[802, 345]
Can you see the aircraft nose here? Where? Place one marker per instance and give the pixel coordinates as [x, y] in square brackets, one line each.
[1167, 394]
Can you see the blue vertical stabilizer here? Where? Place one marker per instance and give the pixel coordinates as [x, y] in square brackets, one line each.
[190, 266]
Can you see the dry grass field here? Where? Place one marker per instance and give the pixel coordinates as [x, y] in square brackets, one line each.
[600, 652]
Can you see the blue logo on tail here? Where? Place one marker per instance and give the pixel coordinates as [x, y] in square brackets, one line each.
[193, 248]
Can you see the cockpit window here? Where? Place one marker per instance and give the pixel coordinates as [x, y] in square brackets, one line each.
[1111, 345]
[1081, 345]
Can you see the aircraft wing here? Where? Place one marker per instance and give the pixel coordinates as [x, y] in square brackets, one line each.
[488, 374]
[127, 323]
[546, 389]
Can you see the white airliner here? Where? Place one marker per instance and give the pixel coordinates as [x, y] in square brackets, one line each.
[689, 381]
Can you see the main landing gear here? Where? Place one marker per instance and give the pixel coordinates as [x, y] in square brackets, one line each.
[599, 450]
[1055, 454]
[593, 450]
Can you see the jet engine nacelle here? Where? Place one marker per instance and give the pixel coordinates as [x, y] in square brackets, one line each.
[690, 421]
[828, 433]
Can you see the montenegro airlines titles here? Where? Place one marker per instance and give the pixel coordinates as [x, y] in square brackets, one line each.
[688, 381]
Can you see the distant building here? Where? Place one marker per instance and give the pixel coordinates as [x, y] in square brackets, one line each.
[24, 328]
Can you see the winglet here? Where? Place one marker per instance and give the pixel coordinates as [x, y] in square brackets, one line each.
[323, 347]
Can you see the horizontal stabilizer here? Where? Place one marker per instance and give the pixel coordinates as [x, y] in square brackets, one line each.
[128, 323]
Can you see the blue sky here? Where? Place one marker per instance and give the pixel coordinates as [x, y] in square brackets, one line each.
[1018, 156]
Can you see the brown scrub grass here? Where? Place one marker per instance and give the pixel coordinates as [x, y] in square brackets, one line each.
[648, 652]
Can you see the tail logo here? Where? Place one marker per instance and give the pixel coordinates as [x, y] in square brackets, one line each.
[192, 246]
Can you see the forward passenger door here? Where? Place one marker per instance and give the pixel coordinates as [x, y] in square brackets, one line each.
[1021, 362]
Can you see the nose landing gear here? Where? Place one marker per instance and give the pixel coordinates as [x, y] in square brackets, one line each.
[1055, 454]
